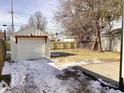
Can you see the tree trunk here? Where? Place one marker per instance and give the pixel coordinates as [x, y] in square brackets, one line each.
[97, 43]
[77, 42]
[94, 47]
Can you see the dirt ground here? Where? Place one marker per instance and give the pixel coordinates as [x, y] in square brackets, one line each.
[76, 55]
[107, 65]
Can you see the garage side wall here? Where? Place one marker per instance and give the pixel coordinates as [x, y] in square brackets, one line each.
[14, 50]
[47, 48]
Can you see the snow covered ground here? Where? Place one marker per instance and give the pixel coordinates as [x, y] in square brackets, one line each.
[39, 76]
[62, 65]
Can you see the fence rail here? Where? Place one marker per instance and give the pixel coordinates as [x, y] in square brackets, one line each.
[63, 45]
[2, 54]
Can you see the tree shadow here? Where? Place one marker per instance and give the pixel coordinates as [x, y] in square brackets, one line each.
[61, 54]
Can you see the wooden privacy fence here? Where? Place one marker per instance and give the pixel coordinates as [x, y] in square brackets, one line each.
[6, 78]
[63, 45]
[2, 54]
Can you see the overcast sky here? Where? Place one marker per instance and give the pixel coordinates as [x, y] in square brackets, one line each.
[24, 8]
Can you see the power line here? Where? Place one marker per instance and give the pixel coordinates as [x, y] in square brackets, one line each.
[17, 13]
[11, 25]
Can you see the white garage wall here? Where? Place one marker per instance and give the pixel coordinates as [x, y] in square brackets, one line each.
[38, 51]
[29, 48]
[47, 48]
[14, 50]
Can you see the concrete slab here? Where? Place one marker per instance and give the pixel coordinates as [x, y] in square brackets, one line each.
[107, 70]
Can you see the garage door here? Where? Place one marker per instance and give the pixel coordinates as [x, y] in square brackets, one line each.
[31, 48]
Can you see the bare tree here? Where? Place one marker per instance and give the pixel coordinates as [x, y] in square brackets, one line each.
[88, 17]
[24, 26]
[38, 21]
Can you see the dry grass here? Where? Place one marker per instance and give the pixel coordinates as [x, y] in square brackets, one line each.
[85, 55]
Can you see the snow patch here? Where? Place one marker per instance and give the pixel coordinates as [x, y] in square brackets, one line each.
[37, 76]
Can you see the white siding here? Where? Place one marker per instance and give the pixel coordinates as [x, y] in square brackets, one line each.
[47, 48]
[31, 48]
[68, 40]
[114, 45]
[105, 43]
[14, 50]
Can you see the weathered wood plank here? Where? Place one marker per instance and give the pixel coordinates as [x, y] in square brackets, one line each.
[63, 45]
[2, 55]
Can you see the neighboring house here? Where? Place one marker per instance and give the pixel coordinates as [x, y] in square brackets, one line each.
[1, 35]
[68, 40]
[29, 43]
[62, 37]
[112, 41]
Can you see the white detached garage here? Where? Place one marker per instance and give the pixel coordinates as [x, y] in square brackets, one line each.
[29, 43]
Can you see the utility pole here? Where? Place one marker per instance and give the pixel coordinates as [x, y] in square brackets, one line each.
[121, 78]
[12, 15]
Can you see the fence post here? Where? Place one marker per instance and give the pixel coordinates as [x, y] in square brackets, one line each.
[121, 77]
[2, 56]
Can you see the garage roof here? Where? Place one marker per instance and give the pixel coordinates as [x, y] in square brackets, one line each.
[45, 37]
[30, 31]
